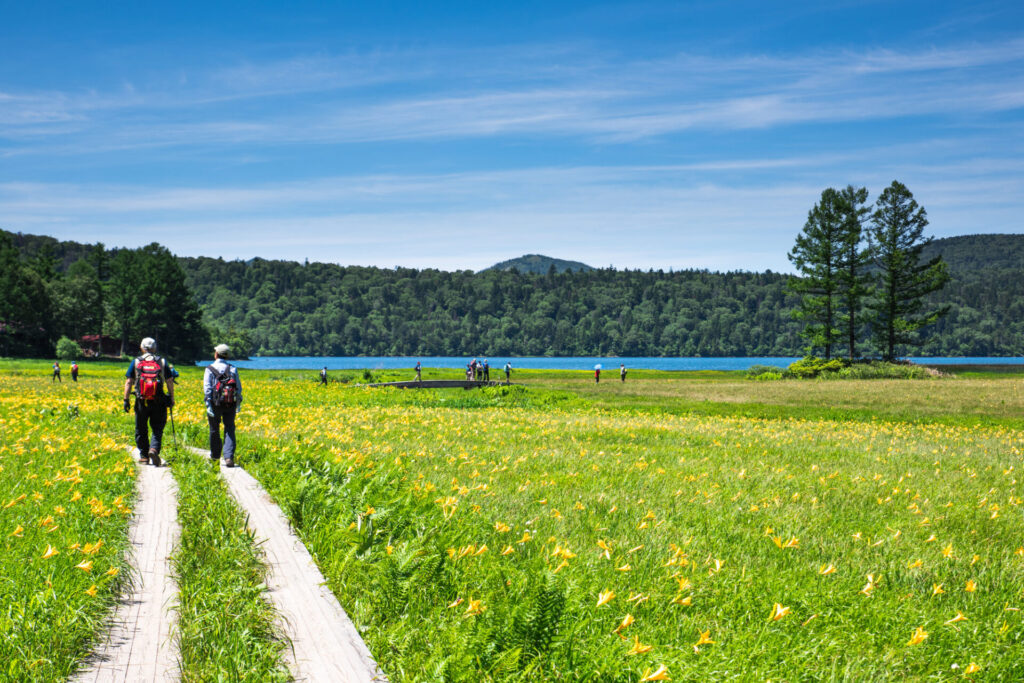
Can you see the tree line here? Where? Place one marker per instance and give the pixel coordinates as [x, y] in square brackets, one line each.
[863, 274]
[124, 293]
[286, 308]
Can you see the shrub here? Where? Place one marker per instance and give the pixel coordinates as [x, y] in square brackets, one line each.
[811, 366]
[756, 371]
[67, 349]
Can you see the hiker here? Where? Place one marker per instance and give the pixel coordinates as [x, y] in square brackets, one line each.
[222, 390]
[323, 375]
[419, 372]
[469, 371]
[487, 371]
[508, 372]
[597, 375]
[153, 386]
[622, 371]
[56, 373]
[74, 371]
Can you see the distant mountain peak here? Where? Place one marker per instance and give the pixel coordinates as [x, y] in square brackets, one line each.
[538, 263]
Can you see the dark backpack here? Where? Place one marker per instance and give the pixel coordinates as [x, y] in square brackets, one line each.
[225, 388]
[149, 377]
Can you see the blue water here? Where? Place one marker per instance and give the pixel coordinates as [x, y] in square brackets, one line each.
[572, 363]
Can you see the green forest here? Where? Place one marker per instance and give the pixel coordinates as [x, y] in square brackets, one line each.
[287, 308]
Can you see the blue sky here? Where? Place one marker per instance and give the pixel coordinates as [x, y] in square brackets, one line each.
[455, 135]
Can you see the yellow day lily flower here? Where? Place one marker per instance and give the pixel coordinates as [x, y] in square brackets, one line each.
[76, 496]
[626, 622]
[685, 602]
[660, 675]
[793, 542]
[919, 636]
[526, 537]
[560, 567]
[606, 548]
[638, 647]
[930, 539]
[508, 550]
[624, 568]
[684, 583]
[705, 638]
[778, 611]
[633, 550]
[604, 597]
[50, 552]
[869, 586]
[457, 602]
[91, 591]
[937, 589]
[474, 608]
[915, 564]
[971, 586]
[948, 551]
[18, 531]
[84, 565]
[958, 618]
[113, 571]
[972, 668]
[827, 569]
[501, 528]
[716, 568]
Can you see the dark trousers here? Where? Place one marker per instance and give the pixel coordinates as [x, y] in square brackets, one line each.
[227, 415]
[56, 376]
[74, 376]
[149, 414]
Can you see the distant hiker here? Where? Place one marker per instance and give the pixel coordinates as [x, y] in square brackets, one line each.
[222, 390]
[419, 372]
[323, 375]
[153, 386]
[74, 372]
[469, 371]
[597, 375]
[487, 371]
[622, 371]
[508, 372]
[56, 373]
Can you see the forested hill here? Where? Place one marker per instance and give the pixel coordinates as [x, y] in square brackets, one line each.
[288, 308]
[537, 263]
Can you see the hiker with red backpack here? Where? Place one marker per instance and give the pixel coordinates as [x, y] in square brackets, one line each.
[223, 392]
[151, 381]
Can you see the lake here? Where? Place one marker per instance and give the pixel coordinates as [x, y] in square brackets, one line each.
[544, 363]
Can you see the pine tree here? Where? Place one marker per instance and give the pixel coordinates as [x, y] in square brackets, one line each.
[818, 255]
[854, 260]
[896, 242]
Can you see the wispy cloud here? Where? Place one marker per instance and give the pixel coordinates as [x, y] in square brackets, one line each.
[449, 96]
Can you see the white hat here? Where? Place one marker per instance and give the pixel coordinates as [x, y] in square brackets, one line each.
[222, 350]
[148, 344]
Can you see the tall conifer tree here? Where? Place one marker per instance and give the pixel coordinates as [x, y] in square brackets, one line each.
[854, 260]
[818, 255]
[896, 242]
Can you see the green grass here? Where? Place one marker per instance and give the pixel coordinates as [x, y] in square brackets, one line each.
[692, 480]
[396, 493]
[225, 624]
[66, 491]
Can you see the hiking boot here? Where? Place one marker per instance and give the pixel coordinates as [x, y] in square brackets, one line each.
[229, 462]
[154, 458]
[143, 459]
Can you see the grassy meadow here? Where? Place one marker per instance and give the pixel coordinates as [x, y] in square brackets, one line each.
[680, 526]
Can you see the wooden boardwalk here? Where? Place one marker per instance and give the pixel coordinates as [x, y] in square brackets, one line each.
[140, 645]
[437, 384]
[325, 644]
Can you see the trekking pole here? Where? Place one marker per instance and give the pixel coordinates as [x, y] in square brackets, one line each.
[173, 433]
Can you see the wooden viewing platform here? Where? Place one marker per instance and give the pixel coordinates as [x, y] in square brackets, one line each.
[437, 384]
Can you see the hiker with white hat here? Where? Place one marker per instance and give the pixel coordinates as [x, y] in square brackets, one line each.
[222, 390]
[153, 386]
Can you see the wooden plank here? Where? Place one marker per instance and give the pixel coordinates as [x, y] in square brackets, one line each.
[326, 646]
[140, 645]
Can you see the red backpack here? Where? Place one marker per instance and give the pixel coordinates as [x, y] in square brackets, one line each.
[225, 388]
[149, 376]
